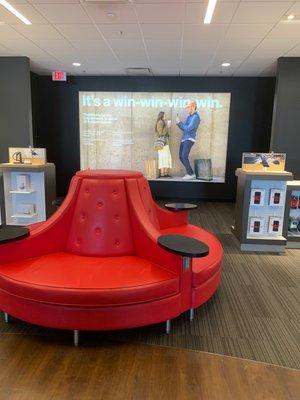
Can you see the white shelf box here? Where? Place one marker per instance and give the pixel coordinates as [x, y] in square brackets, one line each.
[29, 191]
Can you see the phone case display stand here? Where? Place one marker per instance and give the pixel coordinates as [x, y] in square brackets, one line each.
[292, 215]
[260, 210]
[28, 192]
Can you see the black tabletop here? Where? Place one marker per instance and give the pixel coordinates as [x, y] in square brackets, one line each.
[180, 206]
[183, 245]
[9, 233]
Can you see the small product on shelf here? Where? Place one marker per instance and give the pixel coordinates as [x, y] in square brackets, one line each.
[23, 182]
[293, 225]
[257, 197]
[256, 225]
[276, 197]
[26, 209]
[275, 224]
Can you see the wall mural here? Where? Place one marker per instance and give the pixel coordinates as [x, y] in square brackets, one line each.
[140, 131]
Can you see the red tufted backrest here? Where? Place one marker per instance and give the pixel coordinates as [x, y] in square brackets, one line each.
[148, 202]
[101, 224]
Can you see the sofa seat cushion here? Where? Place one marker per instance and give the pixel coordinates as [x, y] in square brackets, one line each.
[69, 279]
[205, 267]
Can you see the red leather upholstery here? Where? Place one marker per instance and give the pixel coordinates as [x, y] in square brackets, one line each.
[206, 267]
[63, 278]
[95, 264]
[101, 225]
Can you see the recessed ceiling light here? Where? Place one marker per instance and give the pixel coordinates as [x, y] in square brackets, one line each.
[110, 15]
[76, 64]
[210, 10]
[290, 17]
[225, 64]
[10, 8]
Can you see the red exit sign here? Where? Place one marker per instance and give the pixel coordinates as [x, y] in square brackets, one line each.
[59, 76]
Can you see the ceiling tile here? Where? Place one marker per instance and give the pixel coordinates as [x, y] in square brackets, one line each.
[274, 47]
[38, 31]
[162, 31]
[168, 50]
[63, 13]
[121, 13]
[72, 31]
[260, 12]
[160, 13]
[195, 12]
[295, 52]
[254, 66]
[286, 30]
[120, 31]
[204, 32]
[130, 52]
[248, 30]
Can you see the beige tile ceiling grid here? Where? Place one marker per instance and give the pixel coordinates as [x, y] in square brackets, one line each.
[168, 36]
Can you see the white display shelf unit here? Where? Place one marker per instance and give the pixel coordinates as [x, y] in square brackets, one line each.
[260, 226]
[292, 235]
[32, 203]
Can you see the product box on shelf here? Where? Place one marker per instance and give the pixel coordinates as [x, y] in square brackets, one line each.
[294, 202]
[275, 225]
[257, 197]
[276, 197]
[256, 225]
[23, 182]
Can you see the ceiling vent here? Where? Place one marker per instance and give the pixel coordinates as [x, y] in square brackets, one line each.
[139, 71]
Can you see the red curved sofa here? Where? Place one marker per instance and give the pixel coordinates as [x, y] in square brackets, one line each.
[96, 265]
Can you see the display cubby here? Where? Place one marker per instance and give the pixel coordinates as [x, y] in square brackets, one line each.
[260, 210]
[292, 215]
[28, 192]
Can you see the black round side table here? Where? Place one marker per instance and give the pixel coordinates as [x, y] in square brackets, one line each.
[180, 206]
[9, 233]
[183, 245]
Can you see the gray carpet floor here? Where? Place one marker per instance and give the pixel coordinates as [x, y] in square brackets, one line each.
[253, 315]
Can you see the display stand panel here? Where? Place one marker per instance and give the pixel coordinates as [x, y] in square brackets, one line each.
[260, 210]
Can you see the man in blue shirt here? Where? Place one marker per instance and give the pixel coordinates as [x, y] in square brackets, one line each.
[189, 128]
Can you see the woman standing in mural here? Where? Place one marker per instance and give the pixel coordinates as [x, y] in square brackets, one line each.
[162, 145]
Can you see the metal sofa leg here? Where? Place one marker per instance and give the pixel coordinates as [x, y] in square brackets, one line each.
[168, 326]
[76, 337]
[192, 314]
[6, 317]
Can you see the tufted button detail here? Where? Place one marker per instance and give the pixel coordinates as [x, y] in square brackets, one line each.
[115, 192]
[116, 218]
[100, 204]
[149, 211]
[87, 190]
[82, 216]
[78, 242]
[98, 231]
[117, 243]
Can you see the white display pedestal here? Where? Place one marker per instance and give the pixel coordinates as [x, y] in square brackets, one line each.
[28, 192]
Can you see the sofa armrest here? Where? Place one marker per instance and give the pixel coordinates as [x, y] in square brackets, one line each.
[145, 237]
[46, 237]
[169, 219]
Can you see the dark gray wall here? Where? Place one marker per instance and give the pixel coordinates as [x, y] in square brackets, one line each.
[15, 104]
[285, 136]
